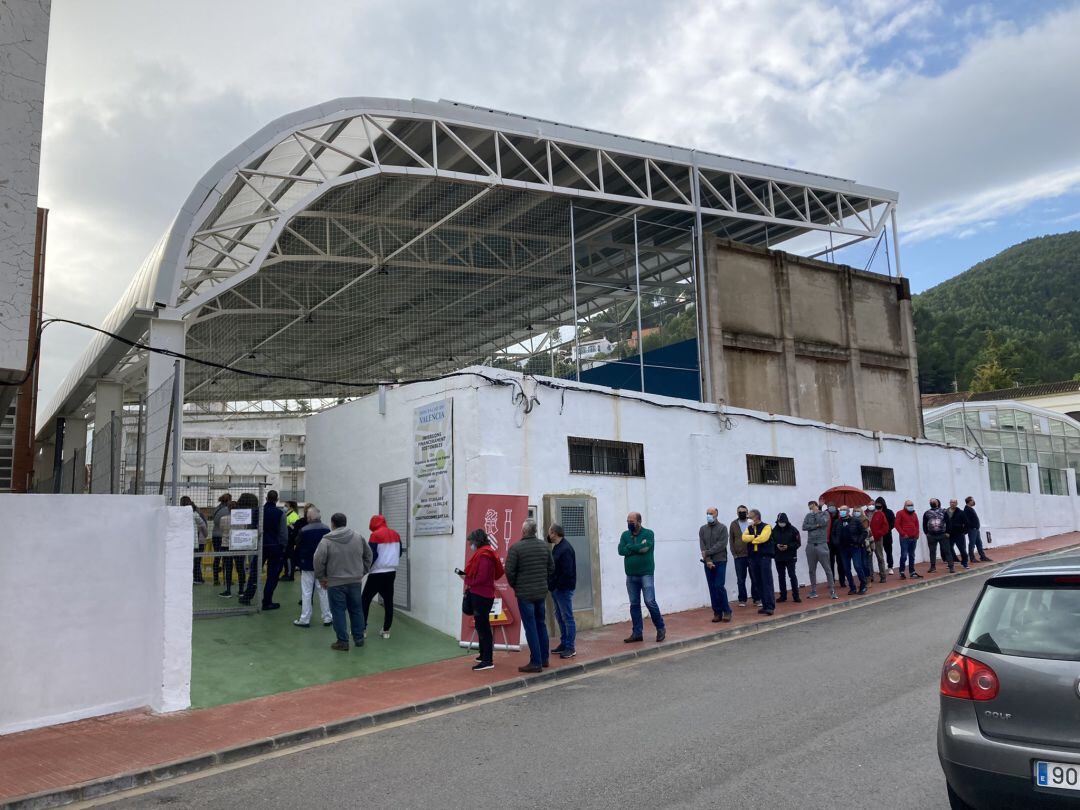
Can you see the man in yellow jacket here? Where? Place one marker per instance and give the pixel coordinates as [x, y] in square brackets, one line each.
[760, 551]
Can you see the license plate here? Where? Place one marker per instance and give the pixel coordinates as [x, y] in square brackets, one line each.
[1057, 775]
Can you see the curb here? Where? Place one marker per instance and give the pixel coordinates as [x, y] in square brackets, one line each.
[98, 788]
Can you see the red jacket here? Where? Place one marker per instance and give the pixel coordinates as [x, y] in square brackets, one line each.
[380, 532]
[907, 524]
[481, 571]
[879, 525]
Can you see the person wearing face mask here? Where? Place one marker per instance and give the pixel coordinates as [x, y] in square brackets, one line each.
[975, 543]
[481, 571]
[890, 515]
[738, 554]
[907, 526]
[760, 551]
[787, 540]
[879, 530]
[836, 556]
[958, 531]
[935, 526]
[867, 556]
[636, 548]
[561, 582]
[816, 526]
[849, 535]
[713, 542]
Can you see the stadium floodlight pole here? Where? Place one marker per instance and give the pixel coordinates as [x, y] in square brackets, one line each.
[640, 336]
[573, 287]
[895, 242]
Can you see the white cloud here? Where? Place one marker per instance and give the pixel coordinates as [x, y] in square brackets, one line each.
[143, 97]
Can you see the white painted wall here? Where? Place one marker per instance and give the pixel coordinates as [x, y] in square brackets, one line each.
[693, 459]
[96, 592]
[24, 39]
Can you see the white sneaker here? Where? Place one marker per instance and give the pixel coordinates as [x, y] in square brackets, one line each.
[299, 623]
[384, 633]
[890, 572]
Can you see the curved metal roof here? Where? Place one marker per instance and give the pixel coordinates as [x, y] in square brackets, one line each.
[233, 221]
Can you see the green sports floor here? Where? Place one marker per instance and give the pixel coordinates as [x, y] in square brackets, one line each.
[239, 657]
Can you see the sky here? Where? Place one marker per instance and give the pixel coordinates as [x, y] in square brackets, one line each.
[969, 110]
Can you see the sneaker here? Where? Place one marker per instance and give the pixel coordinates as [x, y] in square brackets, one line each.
[757, 603]
[480, 666]
[915, 575]
[299, 623]
[742, 604]
[890, 571]
[478, 659]
[862, 589]
[832, 595]
[902, 575]
[226, 594]
[384, 634]
[567, 654]
[632, 639]
[340, 646]
[327, 622]
[931, 569]
[965, 566]
[661, 634]
[559, 649]
[812, 595]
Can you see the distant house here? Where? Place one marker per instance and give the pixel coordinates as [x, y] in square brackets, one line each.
[633, 339]
[591, 349]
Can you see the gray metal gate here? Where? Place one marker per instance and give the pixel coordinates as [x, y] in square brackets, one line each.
[223, 567]
[394, 506]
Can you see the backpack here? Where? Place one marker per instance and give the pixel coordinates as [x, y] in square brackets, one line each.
[935, 523]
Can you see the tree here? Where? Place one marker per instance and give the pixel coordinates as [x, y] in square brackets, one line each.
[991, 374]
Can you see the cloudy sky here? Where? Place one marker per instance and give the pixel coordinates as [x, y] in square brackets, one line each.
[970, 110]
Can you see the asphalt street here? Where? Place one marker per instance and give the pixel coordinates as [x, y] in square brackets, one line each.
[838, 712]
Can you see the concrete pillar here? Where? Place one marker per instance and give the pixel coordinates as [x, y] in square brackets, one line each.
[108, 402]
[1036, 492]
[907, 343]
[165, 333]
[787, 331]
[847, 300]
[711, 299]
[1074, 498]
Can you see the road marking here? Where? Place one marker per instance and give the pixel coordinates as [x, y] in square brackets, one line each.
[763, 627]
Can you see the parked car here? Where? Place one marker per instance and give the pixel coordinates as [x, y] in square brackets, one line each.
[1009, 727]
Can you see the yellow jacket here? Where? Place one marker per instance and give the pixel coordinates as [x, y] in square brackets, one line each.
[752, 539]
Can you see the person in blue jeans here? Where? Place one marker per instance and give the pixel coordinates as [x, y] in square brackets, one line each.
[561, 583]
[849, 535]
[341, 561]
[713, 543]
[760, 550]
[528, 567]
[975, 543]
[636, 548]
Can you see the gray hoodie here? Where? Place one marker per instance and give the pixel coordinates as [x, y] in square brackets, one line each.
[815, 524]
[343, 557]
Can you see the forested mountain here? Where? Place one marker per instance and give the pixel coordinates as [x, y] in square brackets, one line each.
[1014, 318]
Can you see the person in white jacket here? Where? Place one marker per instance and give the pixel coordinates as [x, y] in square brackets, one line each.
[386, 548]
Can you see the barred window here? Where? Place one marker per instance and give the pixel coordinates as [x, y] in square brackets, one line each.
[774, 470]
[606, 457]
[878, 479]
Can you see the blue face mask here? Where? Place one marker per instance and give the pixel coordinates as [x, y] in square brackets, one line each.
[843, 513]
[710, 519]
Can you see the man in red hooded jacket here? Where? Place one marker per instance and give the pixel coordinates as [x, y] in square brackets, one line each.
[386, 547]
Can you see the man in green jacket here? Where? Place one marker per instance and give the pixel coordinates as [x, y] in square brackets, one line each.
[636, 547]
[528, 566]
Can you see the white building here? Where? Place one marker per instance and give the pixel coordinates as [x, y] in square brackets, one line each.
[591, 349]
[598, 454]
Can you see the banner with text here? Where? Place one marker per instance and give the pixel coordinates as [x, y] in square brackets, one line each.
[433, 468]
[500, 516]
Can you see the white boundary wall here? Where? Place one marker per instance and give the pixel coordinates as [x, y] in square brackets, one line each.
[693, 459]
[96, 590]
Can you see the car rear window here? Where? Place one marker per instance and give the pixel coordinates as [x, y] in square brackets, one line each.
[1028, 616]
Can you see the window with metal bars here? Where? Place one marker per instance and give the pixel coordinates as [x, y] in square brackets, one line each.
[774, 470]
[878, 479]
[606, 457]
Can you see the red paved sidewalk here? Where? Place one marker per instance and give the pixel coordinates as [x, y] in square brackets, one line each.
[59, 757]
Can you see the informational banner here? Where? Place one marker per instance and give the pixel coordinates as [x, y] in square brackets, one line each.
[243, 539]
[433, 468]
[500, 516]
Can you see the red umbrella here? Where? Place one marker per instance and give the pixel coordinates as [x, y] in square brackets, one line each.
[845, 496]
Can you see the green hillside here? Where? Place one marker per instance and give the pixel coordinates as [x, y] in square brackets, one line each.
[1012, 318]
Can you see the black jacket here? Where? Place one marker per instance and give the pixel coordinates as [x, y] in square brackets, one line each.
[957, 523]
[972, 518]
[564, 575]
[848, 532]
[307, 541]
[786, 536]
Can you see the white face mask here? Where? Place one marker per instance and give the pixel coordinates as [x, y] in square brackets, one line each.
[910, 508]
[710, 518]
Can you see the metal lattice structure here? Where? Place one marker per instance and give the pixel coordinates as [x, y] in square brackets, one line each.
[379, 239]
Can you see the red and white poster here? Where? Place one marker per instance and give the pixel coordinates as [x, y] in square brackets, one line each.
[500, 516]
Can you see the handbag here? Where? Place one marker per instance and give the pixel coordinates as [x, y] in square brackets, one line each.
[467, 604]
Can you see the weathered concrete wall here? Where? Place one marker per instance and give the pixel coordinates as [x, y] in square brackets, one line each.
[24, 38]
[806, 338]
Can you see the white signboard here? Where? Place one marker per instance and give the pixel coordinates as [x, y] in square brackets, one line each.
[433, 468]
[243, 539]
[240, 517]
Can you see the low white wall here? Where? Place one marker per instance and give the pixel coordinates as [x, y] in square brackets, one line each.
[693, 459]
[96, 591]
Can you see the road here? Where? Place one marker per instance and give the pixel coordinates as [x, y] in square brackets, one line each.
[838, 712]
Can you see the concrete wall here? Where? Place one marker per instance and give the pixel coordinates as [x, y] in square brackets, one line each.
[693, 459]
[24, 39]
[806, 338]
[96, 590]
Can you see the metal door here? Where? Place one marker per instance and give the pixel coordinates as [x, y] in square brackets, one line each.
[394, 506]
[573, 517]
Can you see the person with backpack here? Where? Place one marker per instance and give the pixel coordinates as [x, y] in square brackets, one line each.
[907, 526]
[386, 552]
[482, 569]
[936, 528]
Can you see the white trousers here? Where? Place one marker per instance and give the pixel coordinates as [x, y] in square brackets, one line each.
[308, 583]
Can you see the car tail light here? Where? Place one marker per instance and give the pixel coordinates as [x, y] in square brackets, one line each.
[968, 679]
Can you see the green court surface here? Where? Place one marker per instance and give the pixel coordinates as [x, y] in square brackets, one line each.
[240, 657]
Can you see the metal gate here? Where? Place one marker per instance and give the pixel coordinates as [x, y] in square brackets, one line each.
[394, 506]
[228, 566]
[573, 517]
